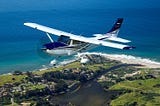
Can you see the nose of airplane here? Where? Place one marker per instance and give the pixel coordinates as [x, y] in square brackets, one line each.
[49, 51]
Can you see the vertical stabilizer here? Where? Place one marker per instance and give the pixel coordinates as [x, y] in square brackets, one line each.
[116, 27]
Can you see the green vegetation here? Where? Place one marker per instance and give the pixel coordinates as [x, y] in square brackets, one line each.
[4, 79]
[5, 101]
[18, 78]
[135, 86]
[136, 99]
[96, 67]
[115, 76]
[38, 87]
[75, 64]
[145, 86]
[141, 92]
[32, 86]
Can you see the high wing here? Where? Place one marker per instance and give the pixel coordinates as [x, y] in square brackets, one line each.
[77, 37]
[49, 30]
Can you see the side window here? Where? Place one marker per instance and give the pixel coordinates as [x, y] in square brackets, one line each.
[78, 42]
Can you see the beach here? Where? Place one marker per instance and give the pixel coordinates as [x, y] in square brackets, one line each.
[128, 59]
[109, 69]
[146, 63]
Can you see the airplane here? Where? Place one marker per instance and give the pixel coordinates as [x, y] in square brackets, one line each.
[69, 44]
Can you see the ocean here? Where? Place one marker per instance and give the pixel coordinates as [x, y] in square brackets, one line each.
[19, 44]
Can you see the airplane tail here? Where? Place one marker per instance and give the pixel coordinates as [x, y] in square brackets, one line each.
[116, 27]
[113, 33]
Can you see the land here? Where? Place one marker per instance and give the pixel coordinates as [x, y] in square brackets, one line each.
[138, 86]
[139, 83]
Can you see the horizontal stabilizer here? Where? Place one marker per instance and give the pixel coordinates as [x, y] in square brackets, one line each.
[117, 39]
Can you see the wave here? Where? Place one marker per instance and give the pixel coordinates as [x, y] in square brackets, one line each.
[125, 58]
[118, 57]
[64, 62]
[68, 61]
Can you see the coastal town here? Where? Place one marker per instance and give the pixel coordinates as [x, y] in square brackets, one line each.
[49, 83]
[38, 88]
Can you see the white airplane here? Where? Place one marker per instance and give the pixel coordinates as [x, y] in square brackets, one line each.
[69, 43]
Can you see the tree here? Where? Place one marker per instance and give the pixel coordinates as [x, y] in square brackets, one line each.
[61, 86]
[29, 74]
[42, 102]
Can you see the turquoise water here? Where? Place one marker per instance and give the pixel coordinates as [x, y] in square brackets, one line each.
[19, 43]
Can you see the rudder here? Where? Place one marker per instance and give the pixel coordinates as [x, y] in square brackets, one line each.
[116, 26]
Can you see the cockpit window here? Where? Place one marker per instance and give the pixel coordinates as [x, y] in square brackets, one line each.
[64, 39]
[77, 42]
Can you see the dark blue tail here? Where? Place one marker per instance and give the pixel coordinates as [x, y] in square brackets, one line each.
[117, 25]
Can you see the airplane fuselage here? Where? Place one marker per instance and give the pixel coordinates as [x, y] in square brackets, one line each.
[64, 50]
[61, 51]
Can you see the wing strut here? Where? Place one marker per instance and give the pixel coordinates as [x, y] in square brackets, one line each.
[50, 38]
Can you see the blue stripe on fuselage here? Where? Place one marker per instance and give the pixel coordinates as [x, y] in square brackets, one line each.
[54, 45]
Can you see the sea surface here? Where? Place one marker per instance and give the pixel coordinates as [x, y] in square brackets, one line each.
[19, 45]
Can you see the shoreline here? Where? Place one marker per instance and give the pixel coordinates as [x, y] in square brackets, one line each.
[88, 79]
[127, 59]
[146, 63]
[62, 63]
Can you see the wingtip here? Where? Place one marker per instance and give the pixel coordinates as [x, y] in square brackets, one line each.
[29, 24]
[26, 23]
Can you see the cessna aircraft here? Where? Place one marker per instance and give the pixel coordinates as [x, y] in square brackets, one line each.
[69, 43]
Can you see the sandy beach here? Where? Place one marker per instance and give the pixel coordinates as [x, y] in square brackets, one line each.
[128, 59]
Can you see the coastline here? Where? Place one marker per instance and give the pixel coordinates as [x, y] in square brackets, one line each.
[128, 59]
[145, 63]
[41, 80]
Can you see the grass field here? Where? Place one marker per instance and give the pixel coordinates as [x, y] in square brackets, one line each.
[10, 79]
[75, 64]
[71, 65]
[145, 86]
[17, 78]
[143, 93]
[136, 99]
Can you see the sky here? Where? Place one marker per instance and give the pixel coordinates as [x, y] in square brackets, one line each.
[27, 5]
